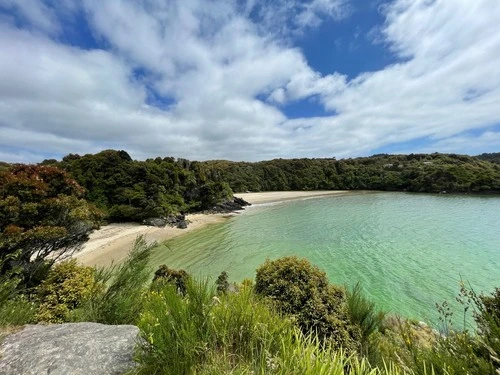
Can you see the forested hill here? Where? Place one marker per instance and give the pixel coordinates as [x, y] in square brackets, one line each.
[432, 173]
[129, 190]
[493, 157]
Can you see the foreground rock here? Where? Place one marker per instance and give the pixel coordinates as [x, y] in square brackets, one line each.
[73, 348]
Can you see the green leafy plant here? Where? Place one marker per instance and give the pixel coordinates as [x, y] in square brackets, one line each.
[302, 291]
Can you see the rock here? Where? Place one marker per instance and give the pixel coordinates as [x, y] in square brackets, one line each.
[159, 222]
[235, 204]
[72, 348]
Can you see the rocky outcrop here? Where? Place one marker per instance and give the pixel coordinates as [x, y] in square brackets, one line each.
[234, 204]
[178, 221]
[73, 348]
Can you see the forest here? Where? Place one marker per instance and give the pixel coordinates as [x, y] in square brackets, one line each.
[129, 190]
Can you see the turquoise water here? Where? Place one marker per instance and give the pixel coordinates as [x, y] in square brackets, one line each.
[408, 251]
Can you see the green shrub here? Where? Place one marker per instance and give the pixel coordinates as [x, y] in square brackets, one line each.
[66, 287]
[302, 291]
[222, 283]
[363, 314]
[116, 297]
[178, 278]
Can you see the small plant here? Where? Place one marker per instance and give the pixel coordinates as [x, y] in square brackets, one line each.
[363, 314]
[222, 283]
[178, 278]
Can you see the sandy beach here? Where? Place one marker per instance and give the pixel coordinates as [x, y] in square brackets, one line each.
[111, 243]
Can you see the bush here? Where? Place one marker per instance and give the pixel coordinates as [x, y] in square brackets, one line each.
[178, 278]
[66, 287]
[302, 291]
[222, 283]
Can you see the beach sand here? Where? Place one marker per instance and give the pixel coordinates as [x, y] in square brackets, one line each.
[111, 243]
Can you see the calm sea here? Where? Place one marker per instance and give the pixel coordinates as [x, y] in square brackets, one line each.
[408, 251]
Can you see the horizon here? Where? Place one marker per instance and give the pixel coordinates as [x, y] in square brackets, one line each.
[242, 80]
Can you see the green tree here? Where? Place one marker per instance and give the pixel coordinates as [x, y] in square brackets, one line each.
[43, 218]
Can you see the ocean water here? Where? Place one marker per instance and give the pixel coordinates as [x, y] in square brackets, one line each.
[408, 251]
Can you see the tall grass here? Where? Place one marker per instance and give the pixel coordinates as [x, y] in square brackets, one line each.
[236, 333]
[118, 291]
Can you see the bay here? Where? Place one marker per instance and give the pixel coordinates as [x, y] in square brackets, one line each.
[408, 251]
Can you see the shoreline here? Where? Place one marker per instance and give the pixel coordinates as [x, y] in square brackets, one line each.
[111, 243]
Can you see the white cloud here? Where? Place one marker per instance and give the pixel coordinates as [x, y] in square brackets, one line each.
[227, 69]
[34, 13]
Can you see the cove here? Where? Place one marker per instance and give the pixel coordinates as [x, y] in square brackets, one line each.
[408, 251]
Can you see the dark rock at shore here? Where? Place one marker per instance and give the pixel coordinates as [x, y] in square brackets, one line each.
[178, 221]
[234, 204]
[72, 348]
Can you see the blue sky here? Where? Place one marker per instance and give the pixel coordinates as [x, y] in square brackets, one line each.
[247, 79]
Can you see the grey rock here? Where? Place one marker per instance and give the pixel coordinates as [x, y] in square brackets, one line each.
[73, 348]
[159, 222]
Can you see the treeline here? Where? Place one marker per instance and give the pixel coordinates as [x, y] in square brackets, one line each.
[429, 173]
[493, 157]
[130, 190]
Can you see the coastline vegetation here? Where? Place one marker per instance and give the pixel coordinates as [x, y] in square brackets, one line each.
[290, 321]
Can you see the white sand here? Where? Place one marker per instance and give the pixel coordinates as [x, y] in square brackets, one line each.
[111, 243]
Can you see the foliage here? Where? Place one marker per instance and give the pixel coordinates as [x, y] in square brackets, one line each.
[431, 173]
[117, 294]
[129, 190]
[301, 290]
[67, 286]
[236, 334]
[43, 218]
[222, 283]
[178, 278]
[15, 308]
[363, 314]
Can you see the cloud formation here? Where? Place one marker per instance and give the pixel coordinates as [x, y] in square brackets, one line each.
[212, 80]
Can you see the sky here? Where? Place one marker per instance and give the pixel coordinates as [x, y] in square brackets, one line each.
[248, 79]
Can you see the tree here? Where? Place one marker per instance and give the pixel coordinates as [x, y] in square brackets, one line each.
[43, 218]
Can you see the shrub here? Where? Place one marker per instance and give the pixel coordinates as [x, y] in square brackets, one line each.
[222, 283]
[178, 278]
[66, 287]
[301, 290]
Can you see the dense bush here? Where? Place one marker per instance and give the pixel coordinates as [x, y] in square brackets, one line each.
[178, 278]
[301, 290]
[43, 218]
[66, 287]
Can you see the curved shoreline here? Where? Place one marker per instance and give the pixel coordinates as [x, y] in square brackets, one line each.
[111, 243]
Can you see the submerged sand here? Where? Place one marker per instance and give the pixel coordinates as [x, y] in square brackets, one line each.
[111, 243]
[280, 196]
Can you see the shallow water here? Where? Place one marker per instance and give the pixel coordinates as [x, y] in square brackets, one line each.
[408, 251]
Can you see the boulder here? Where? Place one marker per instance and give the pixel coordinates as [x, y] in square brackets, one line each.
[72, 348]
